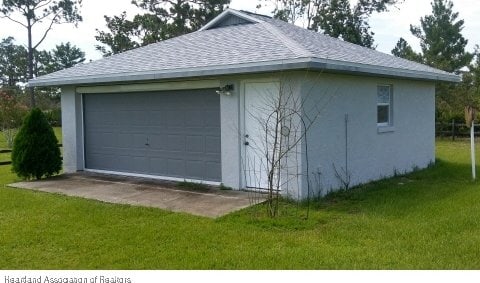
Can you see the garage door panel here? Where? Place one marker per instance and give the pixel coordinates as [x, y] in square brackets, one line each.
[176, 168]
[195, 144]
[211, 119]
[114, 151]
[209, 102]
[124, 163]
[191, 156]
[174, 118]
[195, 118]
[100, 103]
[91, 140]
[175, 143]
[125, 140]
[140, 164]
[122, 118]
[205, 131]
[101, 160]
[212, 144]
[211, 169]
[139, 118]
[172, 134]
[157, 118]
[157, 141]
[195, 169]
[108, 139]
[158, 166]
[140, 141]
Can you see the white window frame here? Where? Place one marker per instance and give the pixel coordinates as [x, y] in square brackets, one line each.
[389, 123]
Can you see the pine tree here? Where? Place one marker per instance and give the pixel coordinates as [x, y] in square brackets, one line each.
[29, 13]
[13, 63]
[443, 47]
[163, 20]
[35, 151]
[337, 18]
[441, 39]
[404, 50]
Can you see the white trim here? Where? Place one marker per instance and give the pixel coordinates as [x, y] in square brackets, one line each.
[108, 89]
[385, 129]
[155, 177]
[389, 123]
[226, 13]
[149, 87]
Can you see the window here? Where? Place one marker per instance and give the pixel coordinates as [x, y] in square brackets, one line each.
[384, 105]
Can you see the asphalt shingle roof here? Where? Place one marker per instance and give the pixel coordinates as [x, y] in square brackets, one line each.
[266, 45]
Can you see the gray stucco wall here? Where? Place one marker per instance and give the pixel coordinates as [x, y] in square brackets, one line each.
[72, 130]
[230, 135]
[370, 153]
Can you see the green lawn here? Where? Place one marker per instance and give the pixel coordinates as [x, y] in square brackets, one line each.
[426, 220]
[5, 157]
[3, 143]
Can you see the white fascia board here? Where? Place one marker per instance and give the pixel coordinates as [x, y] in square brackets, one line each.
[255, 67]
[176, 73]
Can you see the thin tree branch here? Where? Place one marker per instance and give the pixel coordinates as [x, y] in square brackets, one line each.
[43, 5]
[41, 18]
[8, 17]
[46, 31]
[20, 7]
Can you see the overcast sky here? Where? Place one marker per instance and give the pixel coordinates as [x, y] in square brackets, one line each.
[388, 27]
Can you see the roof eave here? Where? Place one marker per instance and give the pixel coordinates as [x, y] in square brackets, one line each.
[257, 67]
[372, 70]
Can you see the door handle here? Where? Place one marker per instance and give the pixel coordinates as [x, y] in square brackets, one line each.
[246, 143]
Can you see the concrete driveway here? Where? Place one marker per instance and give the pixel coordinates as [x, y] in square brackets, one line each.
[208, 202]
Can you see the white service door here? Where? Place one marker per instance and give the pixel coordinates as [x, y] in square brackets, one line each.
[260, 99]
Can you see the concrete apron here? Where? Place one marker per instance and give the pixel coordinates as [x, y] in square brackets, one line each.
[210, 202]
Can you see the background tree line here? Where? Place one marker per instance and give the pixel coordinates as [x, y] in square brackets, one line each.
[164, 19]
[14, 65]
[440, 35]
[444, 47]
[14, 74]
[21, 62]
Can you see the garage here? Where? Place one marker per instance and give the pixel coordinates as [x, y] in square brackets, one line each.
[191, 108]
[169, 134]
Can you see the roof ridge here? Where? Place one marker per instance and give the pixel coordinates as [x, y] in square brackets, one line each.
[291, 44]
[353, 45]
[230, 11]
[371, 50]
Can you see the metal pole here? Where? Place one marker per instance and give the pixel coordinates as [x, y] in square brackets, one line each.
[346, 143]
